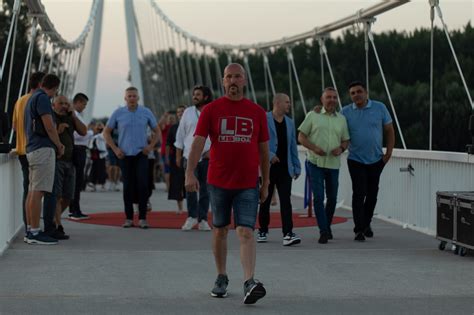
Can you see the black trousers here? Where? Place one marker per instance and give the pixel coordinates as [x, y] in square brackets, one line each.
[79, 161]
[26, 182]
[365, 187]
[280, 178]
[135, 181]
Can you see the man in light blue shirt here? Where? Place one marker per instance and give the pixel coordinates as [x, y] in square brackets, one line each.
[367, 120]
[132, 122]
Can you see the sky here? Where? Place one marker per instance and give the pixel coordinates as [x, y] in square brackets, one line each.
[229, 22]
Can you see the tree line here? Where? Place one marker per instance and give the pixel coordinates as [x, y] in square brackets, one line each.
[405, 57]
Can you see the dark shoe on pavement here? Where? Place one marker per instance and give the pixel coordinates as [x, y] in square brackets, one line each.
[359, 237]
[323, 238]
[261, 237]
[253, 291]
[58, 235]
[78, 216]
[220, 286]
[368, 232]
[41, 239]
[291, 239]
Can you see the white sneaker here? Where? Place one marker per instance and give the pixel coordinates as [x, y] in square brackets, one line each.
[204, 226]
[143, 224]
[189, 224]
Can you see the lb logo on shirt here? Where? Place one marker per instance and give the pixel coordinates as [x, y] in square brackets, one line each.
[235, 129]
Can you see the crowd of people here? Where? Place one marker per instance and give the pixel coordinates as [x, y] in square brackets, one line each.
[226, 153]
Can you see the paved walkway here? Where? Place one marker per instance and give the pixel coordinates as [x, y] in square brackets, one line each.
[110, 270]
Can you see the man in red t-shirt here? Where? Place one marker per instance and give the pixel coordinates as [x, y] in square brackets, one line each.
[238, 131]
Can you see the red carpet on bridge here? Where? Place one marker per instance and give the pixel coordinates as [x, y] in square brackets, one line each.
[171, 220]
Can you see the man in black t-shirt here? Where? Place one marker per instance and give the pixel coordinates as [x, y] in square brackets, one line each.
[285, 165]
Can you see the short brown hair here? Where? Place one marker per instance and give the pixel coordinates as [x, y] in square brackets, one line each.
[131, 88]
[50, 81]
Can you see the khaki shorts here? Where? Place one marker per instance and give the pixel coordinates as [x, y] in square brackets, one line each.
[41, 165]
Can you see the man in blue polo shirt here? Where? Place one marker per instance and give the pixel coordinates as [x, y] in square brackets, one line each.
[367, 120]
[132, 122]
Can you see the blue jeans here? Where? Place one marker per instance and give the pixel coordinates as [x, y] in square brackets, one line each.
[324, 178]
[198, 209]
[244, 202]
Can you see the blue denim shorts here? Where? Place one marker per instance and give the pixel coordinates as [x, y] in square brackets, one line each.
[244, 202]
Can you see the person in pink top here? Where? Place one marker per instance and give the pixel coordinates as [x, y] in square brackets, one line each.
[239, 137]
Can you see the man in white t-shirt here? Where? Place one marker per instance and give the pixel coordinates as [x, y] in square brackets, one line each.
[197, 207]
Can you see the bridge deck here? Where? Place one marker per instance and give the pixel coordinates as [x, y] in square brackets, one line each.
[109, 270]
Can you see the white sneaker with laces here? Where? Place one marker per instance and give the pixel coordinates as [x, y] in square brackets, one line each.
[189, 224]
[204, 226]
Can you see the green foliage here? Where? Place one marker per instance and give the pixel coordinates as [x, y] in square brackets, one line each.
[405, 59]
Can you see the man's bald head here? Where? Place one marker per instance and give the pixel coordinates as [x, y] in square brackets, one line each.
[234, 81]
[234, 66]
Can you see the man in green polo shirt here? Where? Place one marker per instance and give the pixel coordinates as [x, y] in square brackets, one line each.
[326, 136]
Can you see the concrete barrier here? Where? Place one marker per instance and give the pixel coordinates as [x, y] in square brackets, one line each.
[11, 191]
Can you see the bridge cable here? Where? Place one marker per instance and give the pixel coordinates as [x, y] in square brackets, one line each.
[448, 37]
[300, 91]
[12, 31]
[177, 75]
[249, 75]
[192, 82]
[197, 64]
[371, 38]
[218, 73]
[432, 17]
[324, 49]
[207, 70]
[187, 88]
[43, 53]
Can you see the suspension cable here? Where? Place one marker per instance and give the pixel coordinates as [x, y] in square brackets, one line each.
[182, 67]
[445, 27]
[13, 27]
[179, 85]
[12, 58]
[218, 73]
[290, 80]
[43, 53]
[197, 65]
[297, 79]
[322, 44]
[267, 96]
[207, 70]
[432, 17]
[269, 72]
[249, 75]
[371, 38]
[192, 82]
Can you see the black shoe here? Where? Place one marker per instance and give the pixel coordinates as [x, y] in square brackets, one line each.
[368, 232]
[58, 235]
[359, 237]
[220, 286]
[291, 239]
[253, 291]
[330, 236]
[323, 239]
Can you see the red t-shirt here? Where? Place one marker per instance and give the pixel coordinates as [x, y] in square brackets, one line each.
[164, 136]
[235, 128]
